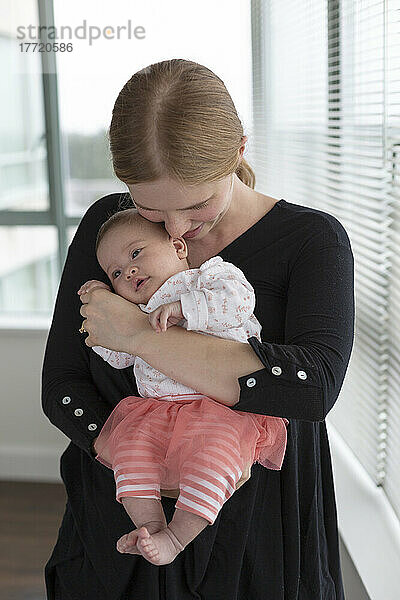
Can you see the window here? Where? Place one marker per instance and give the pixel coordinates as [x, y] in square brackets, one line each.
[54, 155]
[326, 119]
[23, 176]
[27, 254]
[29, 274]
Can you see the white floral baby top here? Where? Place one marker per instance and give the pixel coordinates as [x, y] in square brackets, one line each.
[216, 300]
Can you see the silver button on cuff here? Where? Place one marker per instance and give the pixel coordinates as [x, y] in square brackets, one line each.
[276, 370]
[66, 400]
[251, 382]
[78, 412]
[302, 374]
[92, 426]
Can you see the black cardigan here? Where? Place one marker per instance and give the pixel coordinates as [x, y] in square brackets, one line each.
[276, 538]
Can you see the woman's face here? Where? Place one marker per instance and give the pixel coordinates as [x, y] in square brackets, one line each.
[186, 211]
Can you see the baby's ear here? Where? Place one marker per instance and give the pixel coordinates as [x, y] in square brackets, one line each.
[180, 247]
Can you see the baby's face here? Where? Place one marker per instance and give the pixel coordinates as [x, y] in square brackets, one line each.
[138, 259]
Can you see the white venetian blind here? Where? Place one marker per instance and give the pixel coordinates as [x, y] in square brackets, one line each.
[327, 135]
[391, 469]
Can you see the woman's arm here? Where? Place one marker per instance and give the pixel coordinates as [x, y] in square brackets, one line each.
[194, 359]
[79, 390]
[210, 365]
[300, 379]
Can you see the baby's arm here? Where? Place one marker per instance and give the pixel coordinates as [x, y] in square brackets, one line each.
[166, 315]
[118, 360]
[223, 299]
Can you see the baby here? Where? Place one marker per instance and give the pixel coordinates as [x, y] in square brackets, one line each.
[172, 436]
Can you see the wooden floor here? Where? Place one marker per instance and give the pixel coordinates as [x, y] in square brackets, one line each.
[30, 517]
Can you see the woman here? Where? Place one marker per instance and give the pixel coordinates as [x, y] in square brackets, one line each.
[176, 140]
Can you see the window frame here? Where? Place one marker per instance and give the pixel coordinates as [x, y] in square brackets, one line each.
[55, 215]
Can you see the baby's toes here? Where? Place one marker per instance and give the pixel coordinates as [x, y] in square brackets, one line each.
[121, 543]
[132, 537]
[127, 542]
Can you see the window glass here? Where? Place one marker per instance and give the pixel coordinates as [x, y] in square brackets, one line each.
[70, 234]
[23, 158]
[92, 74]
[28, 270]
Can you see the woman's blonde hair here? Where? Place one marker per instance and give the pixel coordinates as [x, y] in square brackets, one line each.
[176, 118]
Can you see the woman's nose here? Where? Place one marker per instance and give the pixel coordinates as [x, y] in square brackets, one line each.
[176, 226]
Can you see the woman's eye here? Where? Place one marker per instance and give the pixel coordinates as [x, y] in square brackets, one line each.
[200, 206]
[133, 253]
[113, 275]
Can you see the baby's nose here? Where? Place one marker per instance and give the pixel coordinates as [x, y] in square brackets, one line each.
[131, 272]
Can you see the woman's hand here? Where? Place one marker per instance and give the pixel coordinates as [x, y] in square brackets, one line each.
[165, 316]
[111, 321]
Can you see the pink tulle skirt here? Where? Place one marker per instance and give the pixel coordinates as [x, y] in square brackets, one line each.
[180, 430]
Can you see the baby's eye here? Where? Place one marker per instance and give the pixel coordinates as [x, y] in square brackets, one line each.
[133, 256]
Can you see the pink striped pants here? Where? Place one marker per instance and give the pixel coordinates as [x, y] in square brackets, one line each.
[191, 441]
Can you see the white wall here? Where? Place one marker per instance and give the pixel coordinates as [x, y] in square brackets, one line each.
[30, 446]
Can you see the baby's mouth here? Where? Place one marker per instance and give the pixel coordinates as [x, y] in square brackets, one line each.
[140, 282]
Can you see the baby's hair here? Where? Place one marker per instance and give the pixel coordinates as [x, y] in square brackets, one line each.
[128, 216]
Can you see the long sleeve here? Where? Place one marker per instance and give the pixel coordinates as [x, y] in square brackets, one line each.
[79, 390]
[303, 377]
[223, 298]
[118, 360]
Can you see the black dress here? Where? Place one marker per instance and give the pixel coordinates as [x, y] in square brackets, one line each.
[276, 538]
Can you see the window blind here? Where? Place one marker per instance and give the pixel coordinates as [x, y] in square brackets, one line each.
[326, 134]
[391, 458]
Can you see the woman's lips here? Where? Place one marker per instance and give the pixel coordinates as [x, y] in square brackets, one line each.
[193, 232]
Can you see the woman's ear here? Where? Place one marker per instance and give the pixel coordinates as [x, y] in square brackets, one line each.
[242, 147]
[180, 248]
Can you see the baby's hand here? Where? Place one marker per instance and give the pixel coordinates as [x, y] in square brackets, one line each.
[165, 316]
[91, 285]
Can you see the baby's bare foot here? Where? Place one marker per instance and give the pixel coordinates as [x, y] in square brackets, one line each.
[127, 543]
[160, 548]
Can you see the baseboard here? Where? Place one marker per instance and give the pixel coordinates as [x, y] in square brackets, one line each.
[24, 463]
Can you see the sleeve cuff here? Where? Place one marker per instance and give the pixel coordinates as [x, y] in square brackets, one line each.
[279, 388]
[195, 310]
